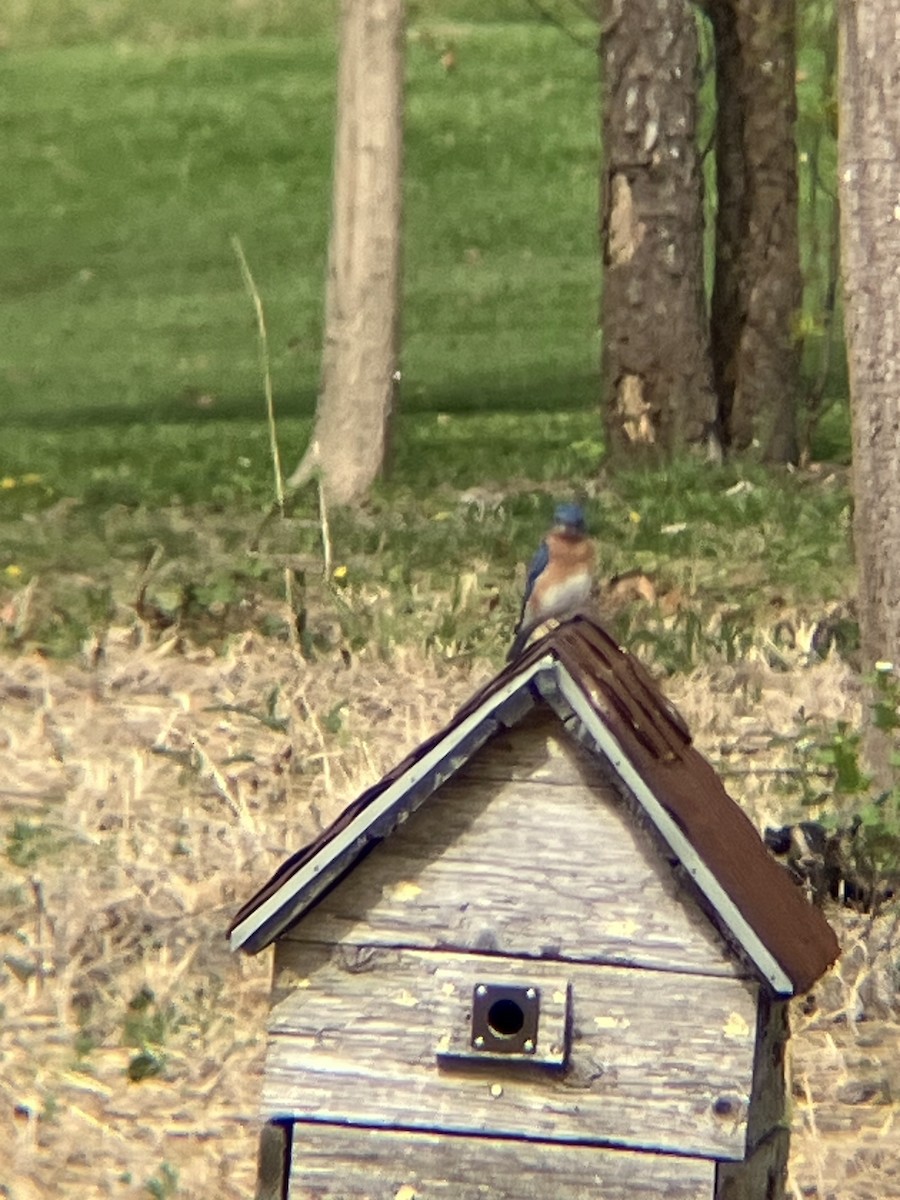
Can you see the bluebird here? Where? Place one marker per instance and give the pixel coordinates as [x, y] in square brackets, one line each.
[559, 577]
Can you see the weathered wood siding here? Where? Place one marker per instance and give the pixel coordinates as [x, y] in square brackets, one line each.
[527, 851]
[331, 1163]
[658, 1060]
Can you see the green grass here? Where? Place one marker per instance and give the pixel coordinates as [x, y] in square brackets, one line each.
[42, 23]
[130, 370]
[124, 176]
[137, 143]
[437, 567]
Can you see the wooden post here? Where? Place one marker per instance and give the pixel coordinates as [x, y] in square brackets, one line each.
[274, 1162]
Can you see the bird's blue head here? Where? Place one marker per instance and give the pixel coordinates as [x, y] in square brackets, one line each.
[569, 515]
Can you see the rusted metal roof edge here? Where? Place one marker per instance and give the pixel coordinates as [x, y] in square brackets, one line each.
[740, 929]
[609, 671]
[303, 887]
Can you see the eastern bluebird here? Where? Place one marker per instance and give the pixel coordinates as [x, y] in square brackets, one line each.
[560, 575]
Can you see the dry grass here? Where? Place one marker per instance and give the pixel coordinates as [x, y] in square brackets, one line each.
[169, 787]
[148, 795]
[845, 1079]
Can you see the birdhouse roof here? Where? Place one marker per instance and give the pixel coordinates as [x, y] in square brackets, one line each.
[608, 701]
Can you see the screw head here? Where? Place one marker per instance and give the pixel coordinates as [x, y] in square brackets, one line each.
[528, 1046]
[530, 994]
[479, 1043]
[481, 990]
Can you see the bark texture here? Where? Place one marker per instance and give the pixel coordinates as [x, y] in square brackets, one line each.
[657, 377]
[351, 437]
[757, 288]
[869, 169]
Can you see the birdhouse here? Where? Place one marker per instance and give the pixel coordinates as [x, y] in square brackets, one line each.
[546, 956]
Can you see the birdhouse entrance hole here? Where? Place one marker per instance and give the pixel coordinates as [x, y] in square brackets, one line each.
[505, 1019]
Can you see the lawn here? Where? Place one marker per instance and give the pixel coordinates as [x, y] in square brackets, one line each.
[129, 168]
[138, 145]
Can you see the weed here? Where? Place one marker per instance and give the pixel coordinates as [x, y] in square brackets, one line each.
[83, 1043]
[148, 1026]
[830, 780]
[164, 1183]
[333, 721]
[28, 843]
[146, 1064]
[269, 717]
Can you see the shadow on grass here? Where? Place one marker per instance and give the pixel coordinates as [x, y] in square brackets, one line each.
[473, 395]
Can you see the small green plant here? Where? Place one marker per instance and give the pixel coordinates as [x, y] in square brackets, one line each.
[147, 1064]
[270, 717]
[27, 843]
[83, 1043]
[164, 1183]
[832, 782]
[148, 1026]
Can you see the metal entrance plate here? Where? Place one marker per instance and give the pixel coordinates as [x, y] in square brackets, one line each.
[510, 1022]
[505, 1019]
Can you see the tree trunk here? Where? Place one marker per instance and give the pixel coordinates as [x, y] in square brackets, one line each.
[657, 375]
[869, 175]
[757, 288]
[351, 436]
[726, 309]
